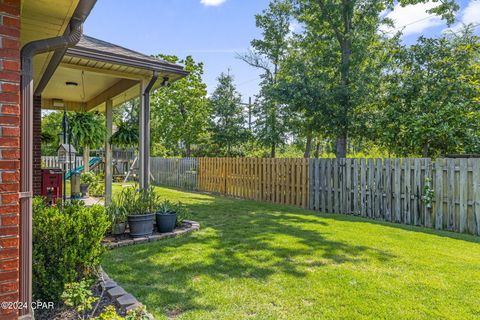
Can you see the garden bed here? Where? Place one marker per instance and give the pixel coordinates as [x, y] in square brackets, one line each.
[125, 239]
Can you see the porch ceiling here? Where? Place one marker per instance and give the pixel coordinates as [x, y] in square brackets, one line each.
[102, 71]
[42, 19]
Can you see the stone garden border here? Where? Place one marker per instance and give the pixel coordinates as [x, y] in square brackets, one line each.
[125, 300]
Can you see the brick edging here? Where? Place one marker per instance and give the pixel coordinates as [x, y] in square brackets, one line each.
[188, 226]
[122, 298]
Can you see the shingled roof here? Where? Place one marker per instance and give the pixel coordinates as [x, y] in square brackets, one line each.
[89, 47]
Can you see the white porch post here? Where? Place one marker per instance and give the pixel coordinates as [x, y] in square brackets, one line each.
[141, 138]
[108, 152]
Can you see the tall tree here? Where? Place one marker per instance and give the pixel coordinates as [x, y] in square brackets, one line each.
[267, 55]
[431, 104]
[354, 24]
[180, 112]
[228, 116]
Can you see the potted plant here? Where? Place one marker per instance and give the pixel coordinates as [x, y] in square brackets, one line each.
[117, 217]
[140, 207]
[166, 217]
[170, 216]
[86, 179]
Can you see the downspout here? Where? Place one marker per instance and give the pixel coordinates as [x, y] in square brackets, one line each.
[26, 154]
[146, 128]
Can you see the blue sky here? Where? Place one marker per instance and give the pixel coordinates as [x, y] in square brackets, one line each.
[214, 31]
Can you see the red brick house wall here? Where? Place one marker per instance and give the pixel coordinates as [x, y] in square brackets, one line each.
[9, 152]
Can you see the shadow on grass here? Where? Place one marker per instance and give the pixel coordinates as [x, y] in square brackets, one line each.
[238, 240]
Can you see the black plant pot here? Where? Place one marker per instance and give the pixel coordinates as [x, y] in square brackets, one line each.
[141, 225]
[84, 189]
[166, 222]
[118, 228]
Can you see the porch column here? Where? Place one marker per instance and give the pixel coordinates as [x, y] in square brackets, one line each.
[141, 137]
[108, 152]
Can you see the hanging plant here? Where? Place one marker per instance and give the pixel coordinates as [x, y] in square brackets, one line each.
[125, 137]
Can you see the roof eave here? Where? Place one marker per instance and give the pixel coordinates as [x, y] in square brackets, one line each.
[126, 61]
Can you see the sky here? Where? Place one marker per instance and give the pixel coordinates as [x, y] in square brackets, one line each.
[216, 31]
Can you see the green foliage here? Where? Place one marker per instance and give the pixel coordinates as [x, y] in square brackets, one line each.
[228, 117]
[79, 296]
[88, 178]
[51, 129]
[109, 314]
[138, 202]
[66, 245]
[182, 212]
[271, 116]
[180, 111]
[430, 106]
[88, 128]
[346, 36]
[137, 314]
[126, 136]
[115, 212]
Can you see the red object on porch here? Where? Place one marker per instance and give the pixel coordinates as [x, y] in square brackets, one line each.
[52, 182]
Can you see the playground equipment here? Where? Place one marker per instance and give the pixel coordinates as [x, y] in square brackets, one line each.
[92, 163]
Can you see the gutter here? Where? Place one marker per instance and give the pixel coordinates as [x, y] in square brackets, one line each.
[146, 130]
[126, 61]
[59, 44]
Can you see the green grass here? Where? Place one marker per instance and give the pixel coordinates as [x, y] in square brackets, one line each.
[261, 261]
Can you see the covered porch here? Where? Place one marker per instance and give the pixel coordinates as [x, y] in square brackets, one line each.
[98, 76]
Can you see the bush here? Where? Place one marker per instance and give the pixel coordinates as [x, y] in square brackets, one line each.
[66, 246]
[88, 178]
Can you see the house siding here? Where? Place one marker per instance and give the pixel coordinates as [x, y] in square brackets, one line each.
[9, 153]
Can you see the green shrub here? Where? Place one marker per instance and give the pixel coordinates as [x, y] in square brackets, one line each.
[138, 202]
[97, 190]
[88, 178]
[66, 246]
[79, 296]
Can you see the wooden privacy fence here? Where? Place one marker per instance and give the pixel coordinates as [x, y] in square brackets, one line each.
[283, 181]
[444, 194]
[179, 173]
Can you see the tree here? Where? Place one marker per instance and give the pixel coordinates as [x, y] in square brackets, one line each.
[228, 118]
[51, 129]
[267, 55]
[88, 129]
[354, 25]
[431, 104]
[180, 112]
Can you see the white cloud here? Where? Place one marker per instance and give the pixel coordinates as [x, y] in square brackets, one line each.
[212, 3]
[471, 14]
[413, 19]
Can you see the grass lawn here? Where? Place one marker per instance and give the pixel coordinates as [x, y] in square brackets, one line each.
[261, 261]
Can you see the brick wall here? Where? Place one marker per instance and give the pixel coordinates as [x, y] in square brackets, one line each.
[37, 145]
[9, 152]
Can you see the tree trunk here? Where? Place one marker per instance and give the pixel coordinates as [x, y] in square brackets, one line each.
[188, 150]
[86, 159]
[308, 146]
[341, 146]
[425, 150]
[317, 150]
[273, 151]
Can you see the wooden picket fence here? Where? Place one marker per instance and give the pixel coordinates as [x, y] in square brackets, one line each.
[52, 162]
[444, 194]
[282, 181]
[179, 173]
